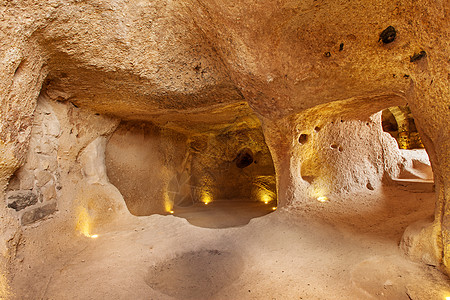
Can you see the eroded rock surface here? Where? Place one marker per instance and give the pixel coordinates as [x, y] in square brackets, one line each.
[72, 71]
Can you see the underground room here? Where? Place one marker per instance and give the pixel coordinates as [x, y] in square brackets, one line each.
[224, 150]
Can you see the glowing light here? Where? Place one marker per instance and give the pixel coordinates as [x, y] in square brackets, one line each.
[265, 197]
[206, 197]
[168, 204]
[85, 223]
[5, 290]
[319, 192]
[447, 298]
[263, 189]
[322, 199]
[274, 208]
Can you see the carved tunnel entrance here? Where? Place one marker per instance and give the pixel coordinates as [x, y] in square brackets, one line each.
[399, 123]
[221, 175]
[416, 169]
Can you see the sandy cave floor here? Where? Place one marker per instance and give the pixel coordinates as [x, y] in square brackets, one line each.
[343, 249]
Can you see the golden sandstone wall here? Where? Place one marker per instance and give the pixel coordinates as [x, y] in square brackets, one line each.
[189, 65]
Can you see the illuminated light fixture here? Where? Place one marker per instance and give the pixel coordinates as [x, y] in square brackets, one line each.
[274, 208]
[85, 223]
[322, 199]
[447, 298]
[265, 198]
[206, 197]
[168, 204]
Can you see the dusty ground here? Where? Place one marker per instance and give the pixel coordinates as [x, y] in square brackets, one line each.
[342, 249]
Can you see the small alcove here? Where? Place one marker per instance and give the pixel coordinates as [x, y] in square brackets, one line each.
[221, 176]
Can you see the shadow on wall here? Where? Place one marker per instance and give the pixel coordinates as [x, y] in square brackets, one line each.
[157, 169]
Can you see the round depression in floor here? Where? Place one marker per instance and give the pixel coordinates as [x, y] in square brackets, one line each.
[195, 275]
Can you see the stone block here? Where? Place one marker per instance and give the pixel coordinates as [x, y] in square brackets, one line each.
[47, 147]
[38, 213]
[27, 182]
[48, 192]
[52, 164]
[43, 177]
[49, 163]
[45, 164]
[19, 200]
[51, 127]
[14, 183]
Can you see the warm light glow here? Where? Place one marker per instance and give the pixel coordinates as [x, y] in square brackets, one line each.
[265, 197]
[5, 290]
[206, 197]
[85, 223]
[319, 193]
[447, 298]
[274, 208]
[322, 199]
[168, 204]
[263, 187]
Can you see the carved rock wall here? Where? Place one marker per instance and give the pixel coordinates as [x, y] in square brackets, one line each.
[164, 61]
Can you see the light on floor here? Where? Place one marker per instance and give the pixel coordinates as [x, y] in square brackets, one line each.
[94, 236]
[322, 199]
[274, 208]
[171, 211]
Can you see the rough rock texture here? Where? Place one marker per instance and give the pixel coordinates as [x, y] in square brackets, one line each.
[38, 213]
[19, 200]
[97, 201]
[232, 164]
[156, 169]
[141, 159]
[342, 156]
[419, 243]
[38, 178]
[191, 65]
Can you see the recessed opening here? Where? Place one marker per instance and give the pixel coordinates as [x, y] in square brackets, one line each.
[415, 169]
[244, 158]
[303, 138]
[399, 123]
[219, 178]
